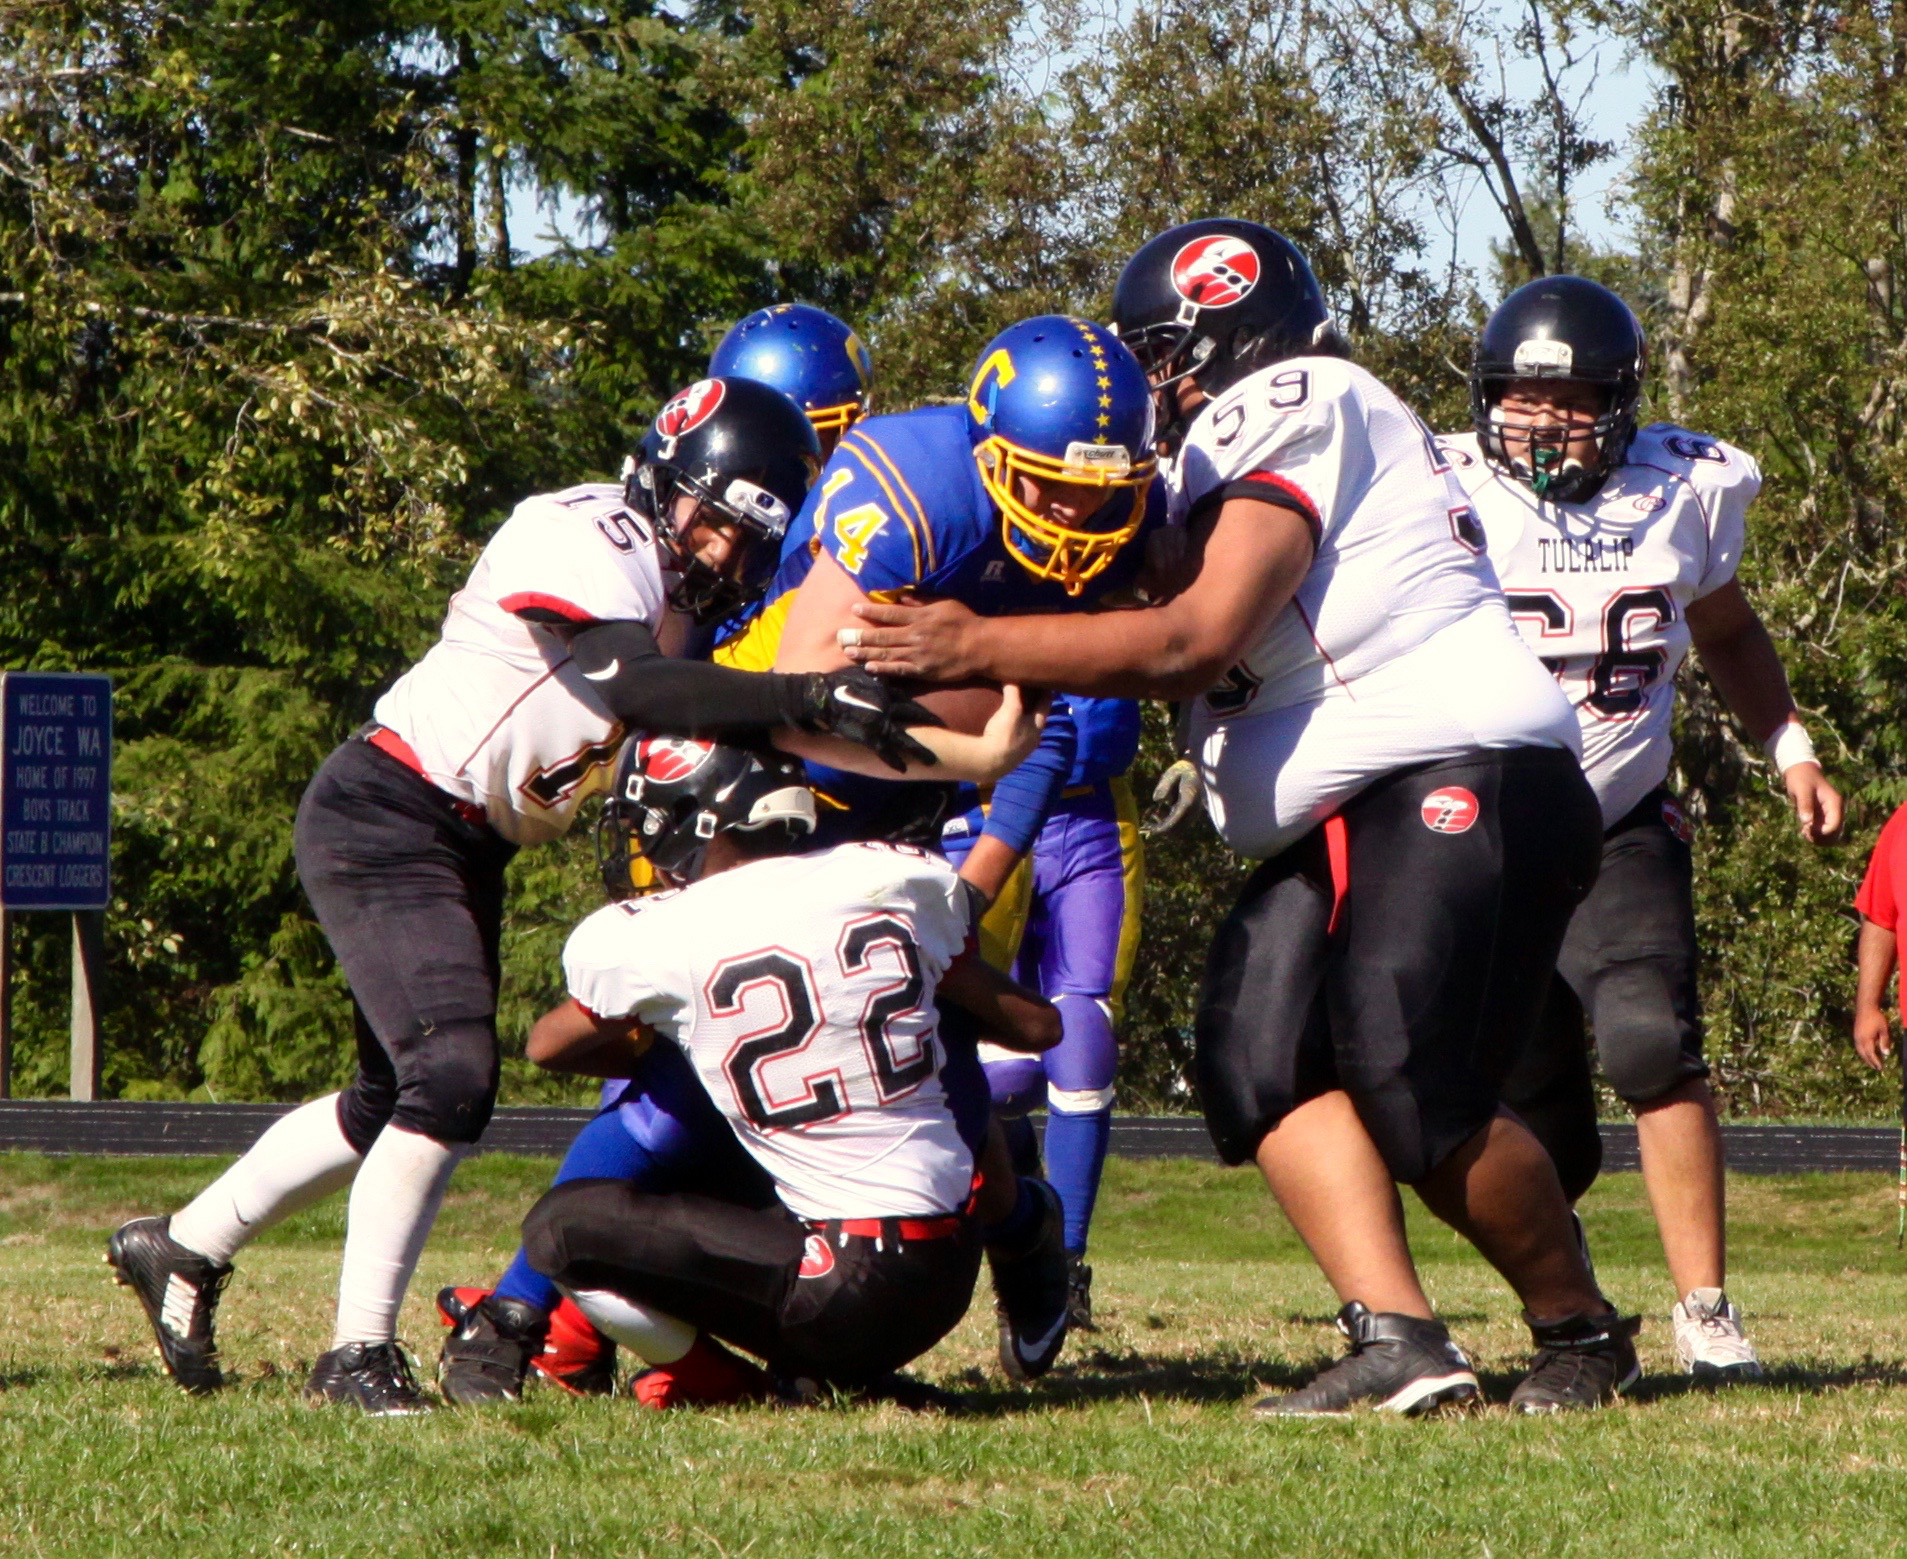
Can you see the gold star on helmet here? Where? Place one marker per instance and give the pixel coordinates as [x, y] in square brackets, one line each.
[1104, 382]
[1105, 400]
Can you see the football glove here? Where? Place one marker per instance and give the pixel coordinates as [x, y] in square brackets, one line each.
[1175, 795]
[860, 708]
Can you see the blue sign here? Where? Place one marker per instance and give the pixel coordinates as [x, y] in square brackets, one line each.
[56, 756]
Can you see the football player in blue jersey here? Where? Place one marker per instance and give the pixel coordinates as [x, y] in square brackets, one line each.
[1027, 497]
[1067, 925]
[813, 358]
[1032, 491]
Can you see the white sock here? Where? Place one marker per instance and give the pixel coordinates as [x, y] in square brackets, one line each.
[653, 1337]
[302, 1159]
[393, 1204]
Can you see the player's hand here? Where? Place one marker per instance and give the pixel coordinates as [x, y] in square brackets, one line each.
[1168, 566]
[1816, 803]
[863, 709]
[935, 641]
[1873, 1039]
[1173, 798]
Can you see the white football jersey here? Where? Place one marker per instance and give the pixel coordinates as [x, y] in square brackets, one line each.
[498, 713]
[1601, 588]
[1397, 648]
[801, 988]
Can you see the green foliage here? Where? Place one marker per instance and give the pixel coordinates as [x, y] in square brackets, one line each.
[271, 369]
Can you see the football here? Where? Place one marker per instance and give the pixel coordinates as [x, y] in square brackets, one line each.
[961, 706]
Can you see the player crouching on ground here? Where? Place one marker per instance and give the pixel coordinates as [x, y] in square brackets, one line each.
[802, 989]
[575, 625]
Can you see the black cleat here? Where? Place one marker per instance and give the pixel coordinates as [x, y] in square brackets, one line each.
[1398, 1363]
[1079, 1295]
[489, 1350]
[179, 1290]
[1581, 1361]
[1031, 1293]
[375, 1376]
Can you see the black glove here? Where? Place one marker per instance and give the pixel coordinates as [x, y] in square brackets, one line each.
[865, 710]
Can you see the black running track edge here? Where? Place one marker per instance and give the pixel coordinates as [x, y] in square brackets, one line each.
[61, 1126]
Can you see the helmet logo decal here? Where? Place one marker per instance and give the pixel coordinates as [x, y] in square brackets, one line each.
[1450, 810]
[1537, 357]
[1215, 271]
[667, 759]
[993, 376]
[690, 408]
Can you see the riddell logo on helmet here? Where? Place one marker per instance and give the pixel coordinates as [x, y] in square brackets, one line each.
[1450, 810]
[1216, 271]
[667, 759]
[690, 408]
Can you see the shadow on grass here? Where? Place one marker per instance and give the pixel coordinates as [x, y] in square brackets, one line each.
[1100, 1375]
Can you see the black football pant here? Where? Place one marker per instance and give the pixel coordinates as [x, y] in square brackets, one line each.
[1407, 966]
[810, 1300]
[410, 895]
[1627, 966]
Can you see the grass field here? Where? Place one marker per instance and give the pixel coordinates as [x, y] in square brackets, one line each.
[1138, 1444]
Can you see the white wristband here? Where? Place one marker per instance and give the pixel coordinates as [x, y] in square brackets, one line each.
[1789, 746]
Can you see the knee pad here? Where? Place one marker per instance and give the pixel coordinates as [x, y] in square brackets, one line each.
[1087, 1056]
[1015, 1083]
[447, 1081]
[1646, 1046]
[364, 1109]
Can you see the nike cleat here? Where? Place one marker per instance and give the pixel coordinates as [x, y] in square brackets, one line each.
[1397, 1363]
[1031, 1292]
[179, 1290]
[374, 1376]
[489, 1351]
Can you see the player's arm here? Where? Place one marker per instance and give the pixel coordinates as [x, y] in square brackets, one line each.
[648, 690]
[1741, 660]
[1010, 1015]
[571, 1038]
[809, 644]
[1247, 562]
[1020, 805]
[1875, 958]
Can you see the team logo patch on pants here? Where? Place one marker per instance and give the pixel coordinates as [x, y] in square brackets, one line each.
[1677, 821]
[1450, 810]
[817, 1261]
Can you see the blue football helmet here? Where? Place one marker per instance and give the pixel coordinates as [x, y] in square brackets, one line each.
[1061, 400]
[806, 353]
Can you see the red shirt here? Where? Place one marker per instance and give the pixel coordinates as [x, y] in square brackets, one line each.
[1886, 880]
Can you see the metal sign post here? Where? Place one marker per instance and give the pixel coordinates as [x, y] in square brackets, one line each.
[56, 746]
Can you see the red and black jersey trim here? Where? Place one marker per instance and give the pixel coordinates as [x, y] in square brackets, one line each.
[538, 607]
[1263, 487]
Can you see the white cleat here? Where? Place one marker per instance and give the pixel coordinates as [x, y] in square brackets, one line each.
[1710, 1341]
